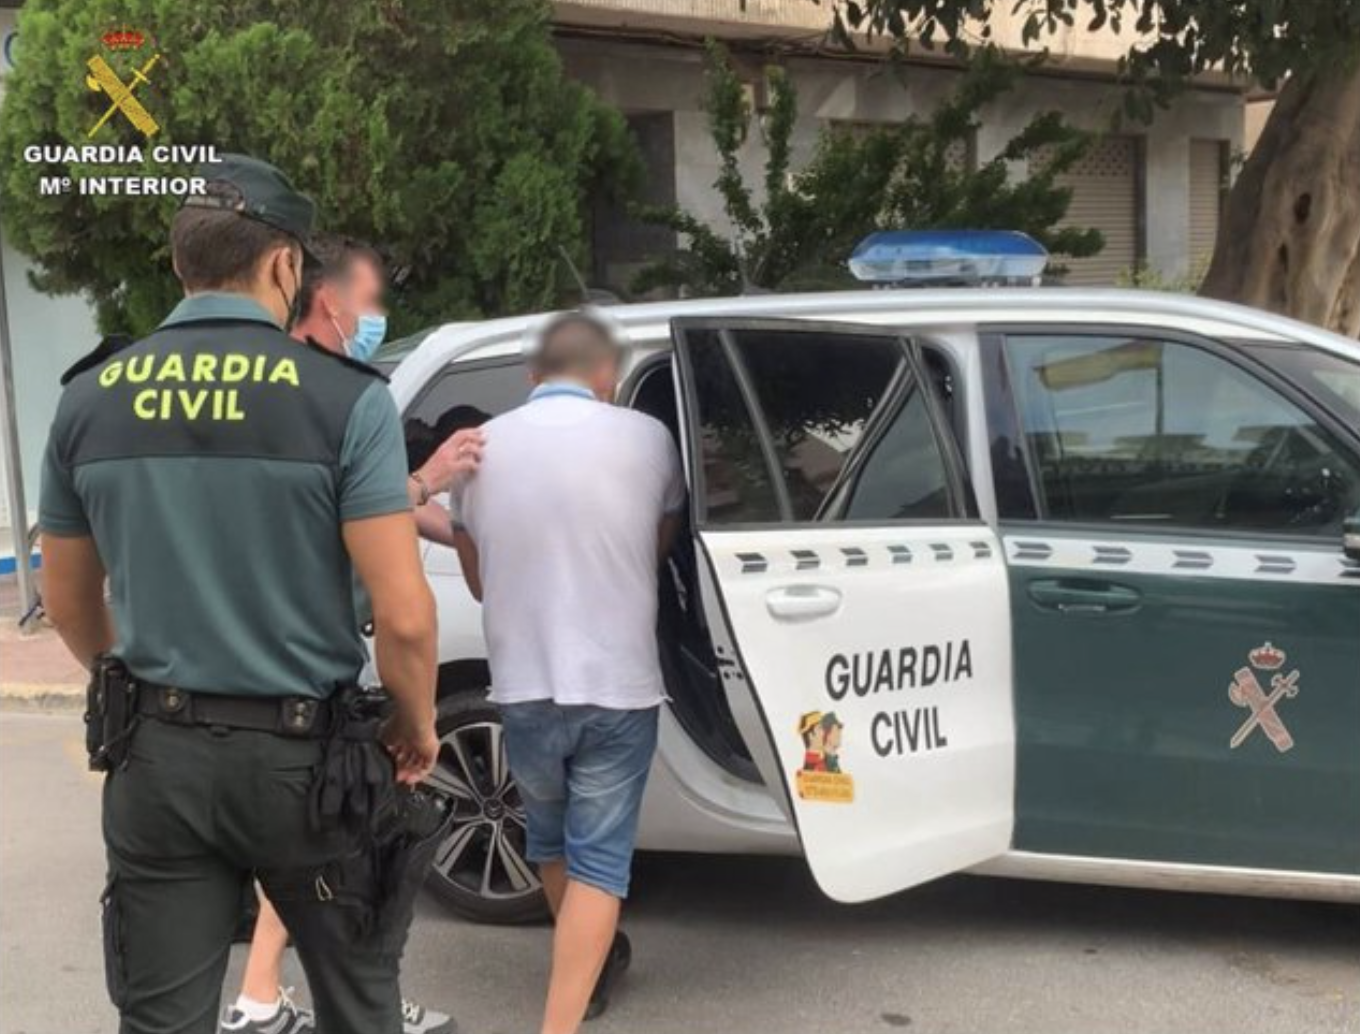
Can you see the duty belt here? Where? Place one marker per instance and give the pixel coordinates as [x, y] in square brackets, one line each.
[286, 716]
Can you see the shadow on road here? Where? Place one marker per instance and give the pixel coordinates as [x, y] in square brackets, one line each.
[707, 888]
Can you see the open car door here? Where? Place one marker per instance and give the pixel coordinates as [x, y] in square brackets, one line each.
[859, 609]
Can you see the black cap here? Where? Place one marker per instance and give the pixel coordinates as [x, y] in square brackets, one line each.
[258, 191]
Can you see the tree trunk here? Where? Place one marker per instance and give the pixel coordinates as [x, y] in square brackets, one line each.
[1290, 236]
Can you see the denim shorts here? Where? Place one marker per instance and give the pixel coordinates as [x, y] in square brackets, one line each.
[581, 771]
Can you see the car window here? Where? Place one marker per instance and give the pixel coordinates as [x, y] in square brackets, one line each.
[847, 433]
[1333, 380]
[738, 488]
[818, 394]
[903, 476]
[461, 396]
[1151, 432]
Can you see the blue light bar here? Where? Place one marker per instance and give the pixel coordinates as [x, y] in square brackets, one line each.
[926, 256]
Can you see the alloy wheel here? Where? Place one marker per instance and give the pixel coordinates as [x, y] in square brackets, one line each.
[485, 852]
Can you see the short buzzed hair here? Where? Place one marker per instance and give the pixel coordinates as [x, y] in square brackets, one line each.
[558, 354]
[217, 248]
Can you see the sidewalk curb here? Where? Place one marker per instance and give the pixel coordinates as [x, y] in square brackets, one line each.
[37, 696]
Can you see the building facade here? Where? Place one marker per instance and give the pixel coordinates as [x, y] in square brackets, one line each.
[1154, 191]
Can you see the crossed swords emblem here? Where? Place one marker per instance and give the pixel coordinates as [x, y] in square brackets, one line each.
[1246, 691]
[104, 78]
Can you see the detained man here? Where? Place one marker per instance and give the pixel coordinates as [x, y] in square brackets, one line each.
[341, 310]
[561, 533]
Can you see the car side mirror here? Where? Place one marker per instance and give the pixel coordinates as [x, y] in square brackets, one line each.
[1350, 542]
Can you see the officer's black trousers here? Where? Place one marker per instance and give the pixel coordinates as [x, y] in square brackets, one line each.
[195, 814]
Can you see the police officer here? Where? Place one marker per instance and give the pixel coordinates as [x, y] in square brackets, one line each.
[227, 479]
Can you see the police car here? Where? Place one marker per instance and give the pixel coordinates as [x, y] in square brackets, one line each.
[1048, 583]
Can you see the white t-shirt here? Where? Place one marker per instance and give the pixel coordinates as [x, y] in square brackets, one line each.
[565, 511]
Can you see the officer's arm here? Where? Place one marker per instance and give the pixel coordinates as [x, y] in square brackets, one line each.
[386, 556]
[435, 524]
[467, 557]
[73, 595]
[380, 537]
[450, 464]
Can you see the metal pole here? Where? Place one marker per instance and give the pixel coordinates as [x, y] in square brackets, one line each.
[14, 475]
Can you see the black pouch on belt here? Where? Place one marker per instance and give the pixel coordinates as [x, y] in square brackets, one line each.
[110, 714]
[378, 879]
[353, 783]
[406, 848]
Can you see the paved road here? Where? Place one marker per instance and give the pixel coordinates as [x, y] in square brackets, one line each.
[739, 946]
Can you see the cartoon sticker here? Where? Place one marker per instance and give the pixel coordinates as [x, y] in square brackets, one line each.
[1246, 691]
[821, 778]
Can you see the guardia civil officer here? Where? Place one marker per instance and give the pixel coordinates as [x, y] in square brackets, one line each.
[227, 478]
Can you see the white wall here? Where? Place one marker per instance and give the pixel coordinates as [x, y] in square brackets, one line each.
[640, 77]
[46, 335]
[803, 21]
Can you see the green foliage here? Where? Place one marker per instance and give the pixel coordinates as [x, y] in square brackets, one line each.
[1149, 279]
[443, 131]
[1176, 39]
[904, 176]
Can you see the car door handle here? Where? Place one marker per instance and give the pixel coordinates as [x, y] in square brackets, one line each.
[1084, 597]
[803, 602]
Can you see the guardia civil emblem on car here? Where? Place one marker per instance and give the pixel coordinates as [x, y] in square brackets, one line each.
[1246, 691]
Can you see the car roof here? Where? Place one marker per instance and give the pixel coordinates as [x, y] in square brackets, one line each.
[936, 308]
[394, 350]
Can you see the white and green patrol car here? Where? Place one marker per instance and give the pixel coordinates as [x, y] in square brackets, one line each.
[1060, 584]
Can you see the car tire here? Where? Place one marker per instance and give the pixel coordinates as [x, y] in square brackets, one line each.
[480, 871]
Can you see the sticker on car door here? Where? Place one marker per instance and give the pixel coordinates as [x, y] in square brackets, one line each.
[821, 778]
[1266, 661]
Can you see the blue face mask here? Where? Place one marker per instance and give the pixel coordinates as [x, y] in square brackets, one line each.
[369, 331]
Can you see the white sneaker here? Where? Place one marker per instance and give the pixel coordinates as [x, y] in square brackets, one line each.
[416, 1019]
[290, 1019]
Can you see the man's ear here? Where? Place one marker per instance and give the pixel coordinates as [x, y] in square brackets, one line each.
[288, 265]
[272, 277]
[274, 268]
[295, 261]
[324, 297]
[606, 384]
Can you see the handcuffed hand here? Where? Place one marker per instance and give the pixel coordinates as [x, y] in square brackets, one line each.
[458, 457]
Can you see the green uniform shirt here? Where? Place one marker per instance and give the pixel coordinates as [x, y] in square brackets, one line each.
[213, 463]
